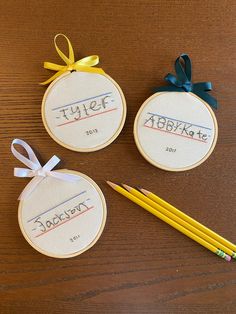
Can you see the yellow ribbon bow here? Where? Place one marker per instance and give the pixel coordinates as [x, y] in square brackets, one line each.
[84, 65]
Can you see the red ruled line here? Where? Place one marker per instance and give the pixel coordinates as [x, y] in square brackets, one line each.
[191, 138]
[96, 114]
[39, 235]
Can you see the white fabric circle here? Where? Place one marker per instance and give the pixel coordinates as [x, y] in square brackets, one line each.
[84, 111]
[175, 131]
[63, 219]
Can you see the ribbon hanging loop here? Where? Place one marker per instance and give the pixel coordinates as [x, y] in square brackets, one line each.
[35, 170]
[84, 65]
[182, 82]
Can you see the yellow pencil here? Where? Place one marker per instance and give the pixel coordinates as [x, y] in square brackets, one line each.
[179, 220]
[170, 221]
[190, 220]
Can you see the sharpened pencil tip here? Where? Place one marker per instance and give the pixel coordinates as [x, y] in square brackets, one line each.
[145, 192]
[127, 187]
[113, 185]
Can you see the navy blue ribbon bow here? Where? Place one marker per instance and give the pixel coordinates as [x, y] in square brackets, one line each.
[182, 82]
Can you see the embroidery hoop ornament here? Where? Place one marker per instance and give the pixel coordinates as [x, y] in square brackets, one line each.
[181, 86]
[39, 174]
[84, 67]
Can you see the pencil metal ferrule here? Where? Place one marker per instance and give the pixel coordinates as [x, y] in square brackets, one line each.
[223, 255]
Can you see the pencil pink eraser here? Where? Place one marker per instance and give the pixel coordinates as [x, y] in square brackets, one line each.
[228, 258]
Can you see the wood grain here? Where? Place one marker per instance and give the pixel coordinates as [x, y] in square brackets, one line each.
[139, 265]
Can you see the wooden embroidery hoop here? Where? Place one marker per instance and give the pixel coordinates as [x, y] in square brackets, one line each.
[97, 188]
[98, 147]
[163, 167]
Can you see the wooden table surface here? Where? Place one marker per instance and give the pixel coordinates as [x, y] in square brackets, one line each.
[139, 265]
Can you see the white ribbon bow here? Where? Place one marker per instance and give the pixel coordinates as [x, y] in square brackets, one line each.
[36, 170]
